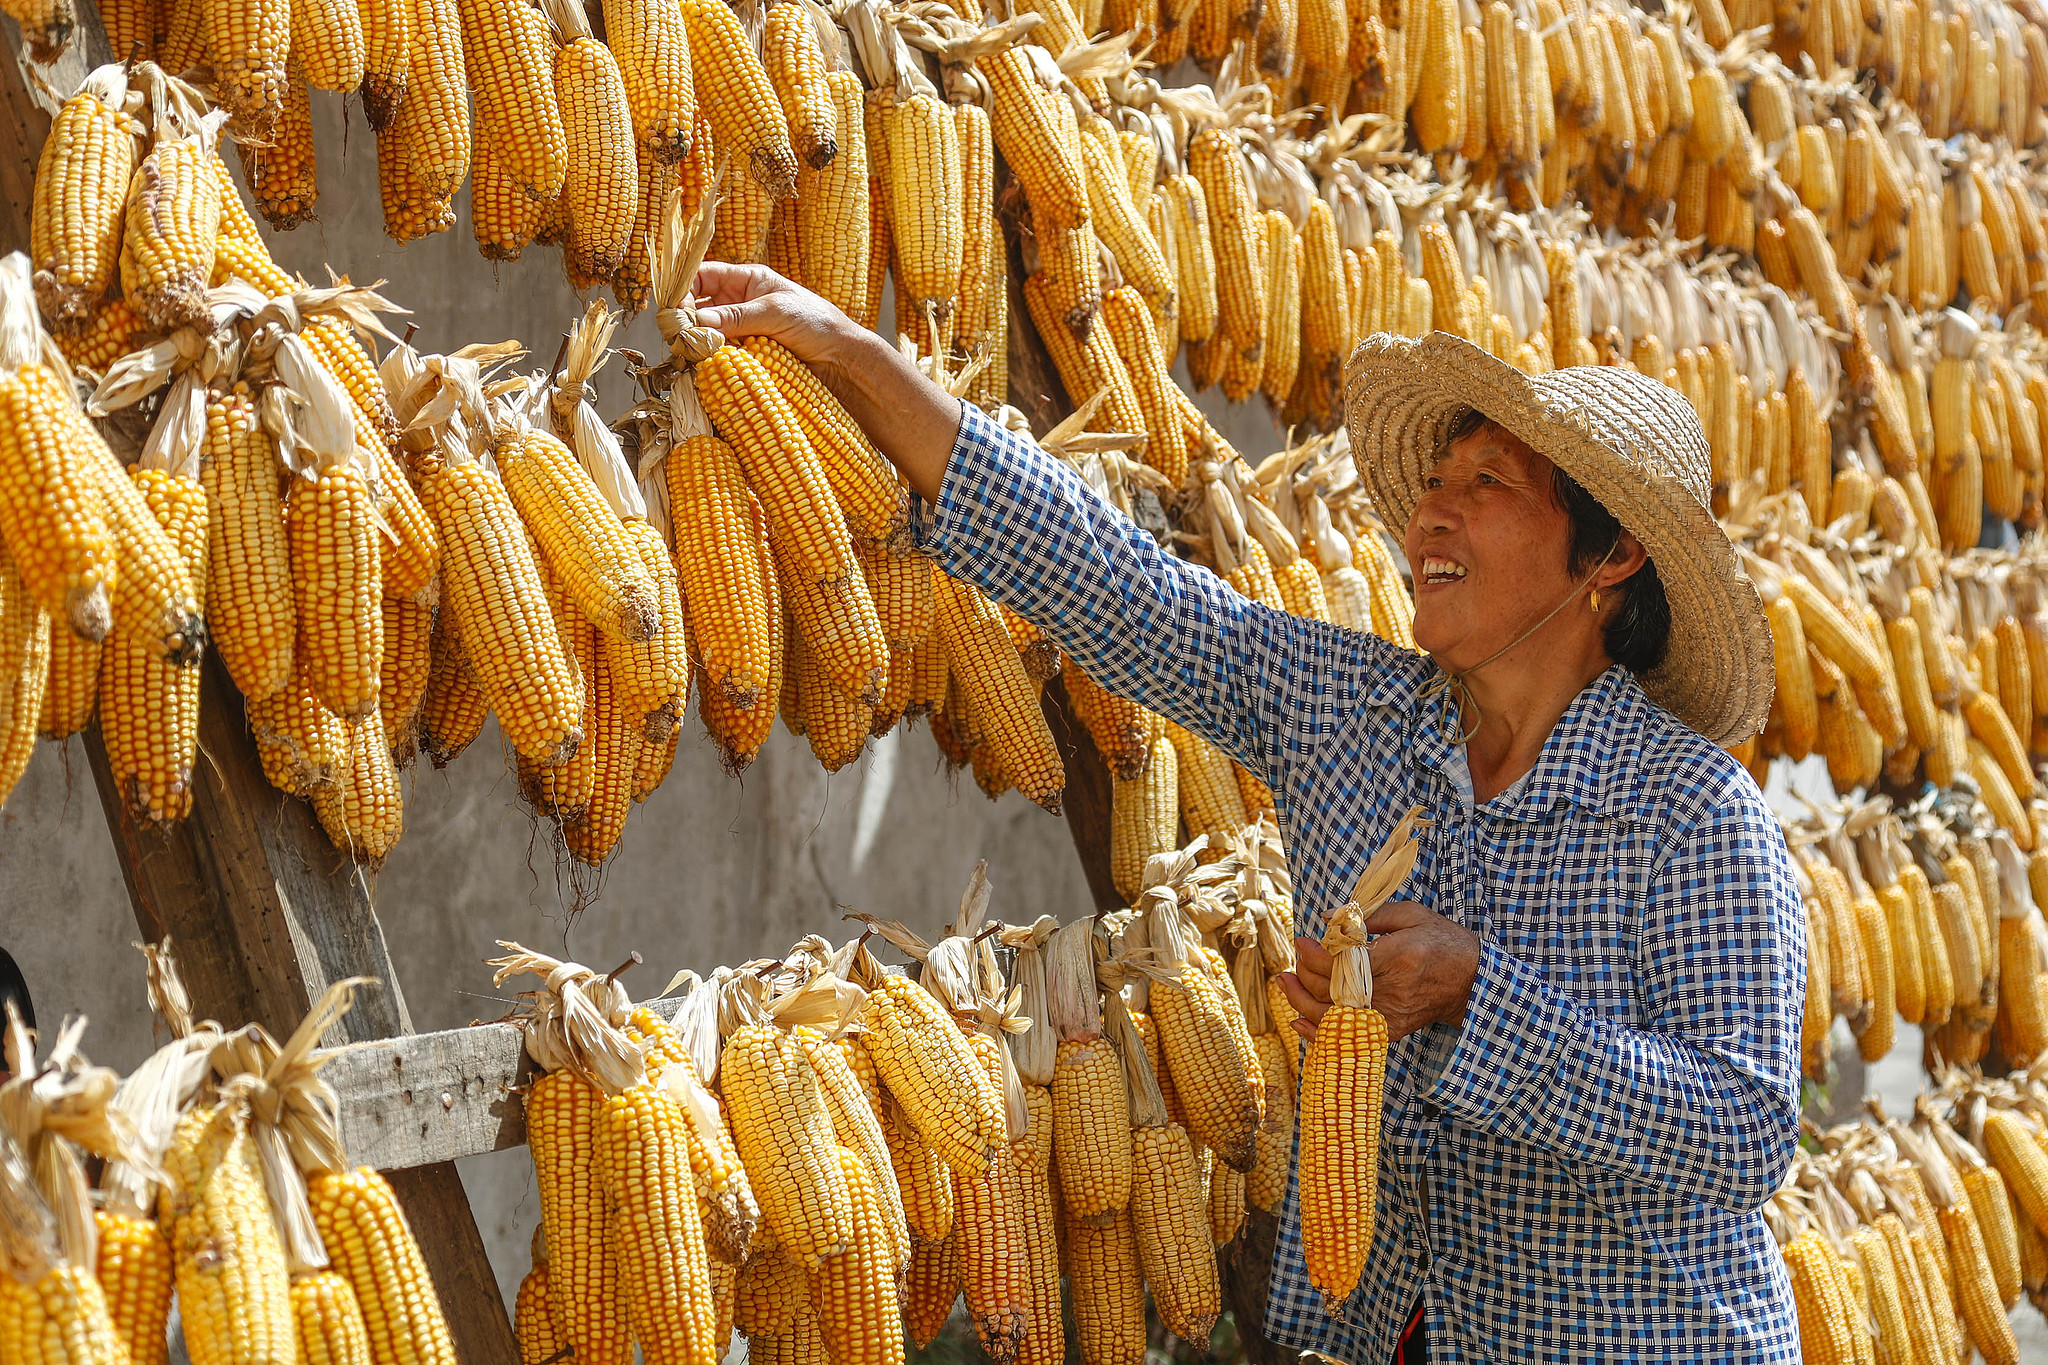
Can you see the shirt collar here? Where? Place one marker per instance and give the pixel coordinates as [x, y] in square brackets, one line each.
[1590, 759]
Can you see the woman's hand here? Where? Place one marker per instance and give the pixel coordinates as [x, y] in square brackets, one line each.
[1423, 966]
[752, 300]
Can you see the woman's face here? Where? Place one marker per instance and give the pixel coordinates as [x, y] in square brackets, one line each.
[1487, 547]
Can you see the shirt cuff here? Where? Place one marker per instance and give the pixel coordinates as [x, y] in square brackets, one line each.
[967, 468]
[1514, 1029]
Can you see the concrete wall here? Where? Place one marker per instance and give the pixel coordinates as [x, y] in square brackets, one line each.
[710, 870]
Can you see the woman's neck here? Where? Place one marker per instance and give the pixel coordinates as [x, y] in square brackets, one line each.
[1520, 702]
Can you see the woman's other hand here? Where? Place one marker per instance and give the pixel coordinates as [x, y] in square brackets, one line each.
[1423, 966]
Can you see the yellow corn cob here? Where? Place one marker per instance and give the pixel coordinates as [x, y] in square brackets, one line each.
[736, 96]
[1876, 1039]
[370, 1243]
[247, 43]
[796, 68]
[1216, 164]
[72, 692]
[726, 1200]
[173, 217]
[134, 1271]
[1091, 1142]
[1989, 724]
[643, 1143]
[107, 336]
[1976, 1290]
[832, 209]
[1989, 1203]
[328, 1321]
[991, 1235]
[613, 735]
[82, 179]
[653, 53]
[922, 175]
[510, 60]
[583, 1273]
[1438, 111]
[388, 41]
[1941, 988]
[582, 537]
[859, 477]
[1215, 1073]
[1283, 307]
[362, 810]
[62, 1317]
[1209, 798]
[1120, 227]
[331, 528]
[772, 1293]
[453, 708]
[931, 1288]
[601, 187]
[651, 678]
[2023, 987]
[728, 578]
[1035, 132]
[901, 586]
[430, 132]
[1902, 925]
[2021, 1160]
[932, 1072]
[327, 42]
[986, 665]
[841, 630]
[1108, 1291]
[983, 265]
[281, 170]
[854, 1294]
[634, 282]
[804, 522]
[234, 1308]
[1226, 1204]
[784, 1136]
[1824, 1318]
[1170, 1225]
[1121, 729]
[151, 725]
[533, 1321]
[1194, 255]
[491, 581]
[858, 1130]
[303, 745]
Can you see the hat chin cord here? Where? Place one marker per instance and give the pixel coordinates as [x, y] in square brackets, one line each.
[1453, 687]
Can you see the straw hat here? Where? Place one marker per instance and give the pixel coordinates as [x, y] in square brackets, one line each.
[1632, 443]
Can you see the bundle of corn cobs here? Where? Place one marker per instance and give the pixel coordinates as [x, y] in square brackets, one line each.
[1915, 1240]
[838, 1144]
[224, 1187]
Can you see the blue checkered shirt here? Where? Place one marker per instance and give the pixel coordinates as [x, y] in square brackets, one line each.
[1577, 1169]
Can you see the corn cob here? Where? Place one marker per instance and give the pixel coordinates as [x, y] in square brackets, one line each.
[1045, 1339]
[61, 1317]
[986, 665]
[1194, 253]
[151, 726]
[71, 691]
[643, 1150]
[601, 186]
[331, 531]
[931, 1071]
[931, 1288]
[651, 678]
[510, 60]
[584, 540]
[562, 1114]
[173, 217]
[796, 67]
[991, 1235]
[653, 53]
[784, 1136]
[233, 1308]
[388, 42]
[533, 1320]
[362, 809]
[737, 97]
[281, 170]
[371, 1244]
[134, 1271]
[1035, 131]
[328, 1321]
[82, 179]
[1217, 165]
[832, 209]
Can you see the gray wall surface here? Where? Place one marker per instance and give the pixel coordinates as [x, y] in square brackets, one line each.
[710, 870]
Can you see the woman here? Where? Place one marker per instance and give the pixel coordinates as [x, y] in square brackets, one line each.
[1594, 979]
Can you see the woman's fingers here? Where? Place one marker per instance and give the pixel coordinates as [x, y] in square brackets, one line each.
[1309, 1002]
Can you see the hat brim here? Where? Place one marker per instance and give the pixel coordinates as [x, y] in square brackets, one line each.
[1402, 393]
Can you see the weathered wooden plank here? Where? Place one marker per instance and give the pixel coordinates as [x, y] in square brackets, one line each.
[266, 914]
[434, 1097]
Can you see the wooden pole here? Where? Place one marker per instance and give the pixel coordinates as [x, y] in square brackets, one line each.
[264, 912]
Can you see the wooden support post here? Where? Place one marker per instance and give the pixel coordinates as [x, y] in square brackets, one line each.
[264, 912]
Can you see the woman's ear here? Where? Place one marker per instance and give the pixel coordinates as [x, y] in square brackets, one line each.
[1629, 555]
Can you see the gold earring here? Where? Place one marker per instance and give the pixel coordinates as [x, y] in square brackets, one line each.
[1596, 599]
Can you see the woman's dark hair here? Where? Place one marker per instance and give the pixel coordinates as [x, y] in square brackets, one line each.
[1638, 632]
[14, 990]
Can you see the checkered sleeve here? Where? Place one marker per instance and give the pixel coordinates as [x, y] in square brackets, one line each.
[1698, 1097]
[1028, 531]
